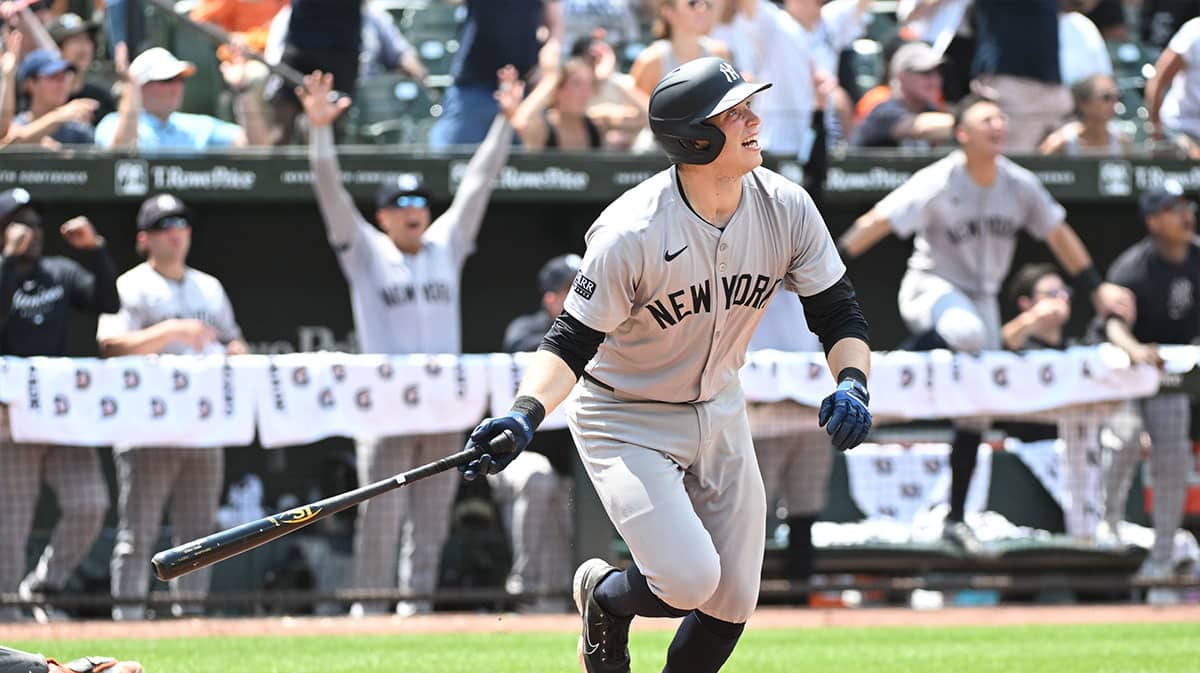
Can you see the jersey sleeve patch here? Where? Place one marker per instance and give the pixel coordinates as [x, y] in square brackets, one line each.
[584, 287]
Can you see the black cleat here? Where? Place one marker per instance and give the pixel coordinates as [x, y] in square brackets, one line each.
[604, 641]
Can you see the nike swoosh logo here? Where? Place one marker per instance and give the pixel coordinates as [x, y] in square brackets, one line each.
[672, 255]
[587, 633]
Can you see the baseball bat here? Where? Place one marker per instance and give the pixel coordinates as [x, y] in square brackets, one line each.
[219, 546]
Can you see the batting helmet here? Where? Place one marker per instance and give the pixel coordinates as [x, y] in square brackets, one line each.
[686, 98]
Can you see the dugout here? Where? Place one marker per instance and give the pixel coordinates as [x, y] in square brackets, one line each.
[258, 230]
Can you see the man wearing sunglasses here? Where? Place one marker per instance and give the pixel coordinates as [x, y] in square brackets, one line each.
[405, 282]
[166, 307]
[1163, 271]
[38, 294]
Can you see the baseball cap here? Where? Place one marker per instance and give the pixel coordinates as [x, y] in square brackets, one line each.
[558, 272]
[12, 201]
[915, 57]
[42, 63]
[156, 209]
[69, 25]
[405, 184]
[158, 65]
[1161, 197]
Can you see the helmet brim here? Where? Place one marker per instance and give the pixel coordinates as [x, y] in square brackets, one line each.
[735, 96]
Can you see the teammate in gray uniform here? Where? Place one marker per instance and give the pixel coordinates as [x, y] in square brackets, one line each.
[166, 307]
[676, 276]
[404, 291]
[794, 455]
[18, 661]
[38, 294]
[965, 211]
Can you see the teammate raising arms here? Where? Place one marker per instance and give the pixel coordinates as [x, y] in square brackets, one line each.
[676, 276]
[965, 211]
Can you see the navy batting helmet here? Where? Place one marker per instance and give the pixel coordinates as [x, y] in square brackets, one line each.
[689, 95]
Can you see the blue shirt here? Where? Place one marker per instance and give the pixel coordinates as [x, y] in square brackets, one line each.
[1018, 38]
[181, 131]
[496, 33]
[68, 133]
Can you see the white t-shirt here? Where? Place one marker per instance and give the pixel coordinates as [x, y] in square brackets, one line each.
[1081, 49]
[782, 56]
[678, 298]
[1181, 107]
[148, 298]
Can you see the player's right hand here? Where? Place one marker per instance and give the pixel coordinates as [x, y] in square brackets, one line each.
[492, 462]
[195, 333]
[321, 106]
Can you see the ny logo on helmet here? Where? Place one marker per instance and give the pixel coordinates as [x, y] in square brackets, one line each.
[731, 75]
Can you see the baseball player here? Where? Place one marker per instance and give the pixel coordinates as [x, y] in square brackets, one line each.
[965, 211]
[794, 456]
[676, 276]
[404, 292]
[166, 307]
[1163, 270]
[18, 661]
[37, 296]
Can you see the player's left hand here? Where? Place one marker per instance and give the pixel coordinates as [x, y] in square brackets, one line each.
[485, 432]
[845, 416]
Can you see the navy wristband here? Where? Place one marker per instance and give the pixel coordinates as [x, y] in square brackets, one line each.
[1085, 282]
[531, 409]
[853, 373]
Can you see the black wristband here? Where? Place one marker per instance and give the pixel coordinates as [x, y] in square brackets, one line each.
[530, 408]
[1085, 282]
[852, 373]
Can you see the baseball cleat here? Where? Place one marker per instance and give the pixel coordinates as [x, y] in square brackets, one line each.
[604, 640]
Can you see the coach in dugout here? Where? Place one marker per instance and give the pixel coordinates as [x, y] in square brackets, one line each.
[37, 296]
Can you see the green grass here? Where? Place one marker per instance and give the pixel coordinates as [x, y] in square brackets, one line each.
[1127, 648]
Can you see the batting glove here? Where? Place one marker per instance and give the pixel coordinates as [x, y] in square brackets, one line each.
[844, 414]
[491, 463]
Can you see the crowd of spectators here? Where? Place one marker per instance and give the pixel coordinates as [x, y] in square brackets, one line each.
[831, 61]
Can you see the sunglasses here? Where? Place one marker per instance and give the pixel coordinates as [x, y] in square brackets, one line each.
[172, 222]
[1062, 292]
[411, 201]
[697, 4]
[1107, 97]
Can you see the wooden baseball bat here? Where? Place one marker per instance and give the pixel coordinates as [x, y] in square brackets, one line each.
[219, 546]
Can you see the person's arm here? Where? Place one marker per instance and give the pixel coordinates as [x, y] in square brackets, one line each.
[1120, 333]
[931, 126]
[459, 225]
[9, 270]
[93, 286]
[529, 119]
[920, 8]
[866, 231]
[8, 80]
[1072, 255]
[247, 105]
[80, 110]
[129, 109]
[1169, 64]
[227, 329]
[156, 338]
[646, 70]
[343, 222]
[34, 31]
[1054, 143]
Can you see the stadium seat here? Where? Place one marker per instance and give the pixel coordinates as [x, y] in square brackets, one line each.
[392, 108]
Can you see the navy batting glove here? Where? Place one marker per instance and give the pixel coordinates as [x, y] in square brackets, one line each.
[844, 415]
[485, 432]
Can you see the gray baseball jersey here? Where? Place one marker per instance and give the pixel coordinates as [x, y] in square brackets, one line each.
[966, 233]
[148, 298]
[406, 303]
[679, 298]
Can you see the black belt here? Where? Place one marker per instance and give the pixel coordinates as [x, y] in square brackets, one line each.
[598, 382]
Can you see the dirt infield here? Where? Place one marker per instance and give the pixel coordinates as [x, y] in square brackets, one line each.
[509, 623]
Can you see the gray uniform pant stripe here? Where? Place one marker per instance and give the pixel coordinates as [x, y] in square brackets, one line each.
[147, 478]
[74, 476]
[1083, 503]
[681, 484]
[420, 512]
[1167, 418]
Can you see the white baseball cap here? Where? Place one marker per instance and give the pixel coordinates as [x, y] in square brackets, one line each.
[157, 65]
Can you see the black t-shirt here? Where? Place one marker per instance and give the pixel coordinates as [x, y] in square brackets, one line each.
[497, 33]
[1107, 14]
[1167, 308]
[327, 25]
[876, 129]
[99, 94]
[35, 304]
[1018, 38]
[524, 334]
[1161, 19]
